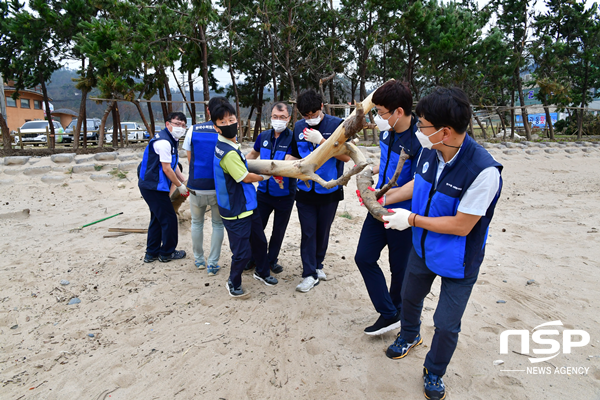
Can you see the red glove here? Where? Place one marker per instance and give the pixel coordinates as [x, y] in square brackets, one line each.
[380, 201]
[278, 179]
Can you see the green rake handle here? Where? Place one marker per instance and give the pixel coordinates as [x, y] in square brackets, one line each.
[100, 220]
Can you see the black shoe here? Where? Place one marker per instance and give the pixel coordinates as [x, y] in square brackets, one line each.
[434, 388]
[276, 268]
[383, 325]
[176, 255]
[234, 292]
[400, 347]
[251, 264]
[269, 280]
[148, 258]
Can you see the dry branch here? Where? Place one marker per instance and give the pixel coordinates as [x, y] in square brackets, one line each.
[394, 181]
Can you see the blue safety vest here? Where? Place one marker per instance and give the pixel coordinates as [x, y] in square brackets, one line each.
[151, 175]
[391, 144]
[333, 168]
[203, 142]
[450, 255]
[233, 198]
[276, 149]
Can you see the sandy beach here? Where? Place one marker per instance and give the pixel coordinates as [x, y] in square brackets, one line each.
[169, 331]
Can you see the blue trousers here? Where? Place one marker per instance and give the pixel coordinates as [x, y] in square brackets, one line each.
[246, 240]
[163, 230]
[451, 306]
[373, 238]
[282, 206]
[315, 224]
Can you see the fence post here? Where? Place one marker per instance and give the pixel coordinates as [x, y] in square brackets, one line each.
[126, 137]
[20, 138]
[48, 136]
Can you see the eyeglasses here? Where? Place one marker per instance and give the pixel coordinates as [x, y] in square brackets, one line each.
[312, 115]
[178, 124]
[424, 126]
[280, 117]
[381, 115]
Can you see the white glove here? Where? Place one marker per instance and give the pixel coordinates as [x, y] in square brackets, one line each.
[313, 136]
[398, 220]
[266, 177]
[183, 190]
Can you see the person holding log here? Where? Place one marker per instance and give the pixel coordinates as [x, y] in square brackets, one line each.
[236, 198]
[199, 143]
[397, 126]
[316, 205]
[454, 193]
[277, 194]
[156, 173]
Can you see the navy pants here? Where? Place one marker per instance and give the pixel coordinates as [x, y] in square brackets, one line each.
[162, 231]
[246, 240]
[315, 224]
[282, 206]
[451, 306]
[373, 238]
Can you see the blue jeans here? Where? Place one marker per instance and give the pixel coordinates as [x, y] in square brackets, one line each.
[451, 306]
[198, 204]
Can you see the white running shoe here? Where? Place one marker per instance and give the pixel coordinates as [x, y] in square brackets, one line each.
[307, 284]
[321, 274]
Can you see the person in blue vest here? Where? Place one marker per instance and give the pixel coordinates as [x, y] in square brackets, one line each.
[397, 126]
[275, 144]
[316, 205]
[200, 141]
[156, 173]
[454, 193]
[236, 198]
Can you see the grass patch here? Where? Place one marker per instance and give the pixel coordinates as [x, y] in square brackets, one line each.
[346, 215]
[119, 174]
[98, 167]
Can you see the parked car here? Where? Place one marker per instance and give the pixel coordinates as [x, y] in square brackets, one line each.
[134, 132]
[93, 124]
[35, 132]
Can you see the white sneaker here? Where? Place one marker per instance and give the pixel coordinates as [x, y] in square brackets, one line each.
[321, 274]
[307, 284]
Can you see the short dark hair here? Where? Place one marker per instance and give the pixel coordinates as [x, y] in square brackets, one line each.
[215, 102]
[222, 111]
[176, 115]
[309, 101]
[394, 94]
[446, 107]
[281, 106]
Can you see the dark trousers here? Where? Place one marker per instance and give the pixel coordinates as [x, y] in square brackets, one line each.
[373, 238]
[246, 240]
[315, 224]
[163, 230]
[282, 206]
[451, 305]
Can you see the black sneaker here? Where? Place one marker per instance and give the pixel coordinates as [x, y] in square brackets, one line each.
[383, 325]
[234, 292]
[269, 280]
[148, 258]
[251, 264]
[276, 268]
[176, 255]
[400, 347]
[434, 388]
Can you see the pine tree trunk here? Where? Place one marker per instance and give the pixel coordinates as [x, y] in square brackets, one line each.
[115, 135]
[512, 115]
[192, 99]
[103, 123]
[204, 68]
[503, 125]
[524, 115]
[6, 142]
[52, 138]
[151, 116]
[583, 102]
[549, 121]
[163, 103]
[483, 131]
[169, 97]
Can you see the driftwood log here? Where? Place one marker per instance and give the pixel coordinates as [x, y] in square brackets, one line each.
[337, 144]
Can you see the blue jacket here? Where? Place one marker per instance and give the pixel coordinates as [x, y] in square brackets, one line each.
[233, 198]
[151, 175]
[275, 149]
[450, 255]
[333, 168]
[391, 144]
[203, 142]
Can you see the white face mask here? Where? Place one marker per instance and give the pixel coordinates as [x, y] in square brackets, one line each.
[382, 124]
[278, 125]
[424, 139]
[177, 132]
[313, 121]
